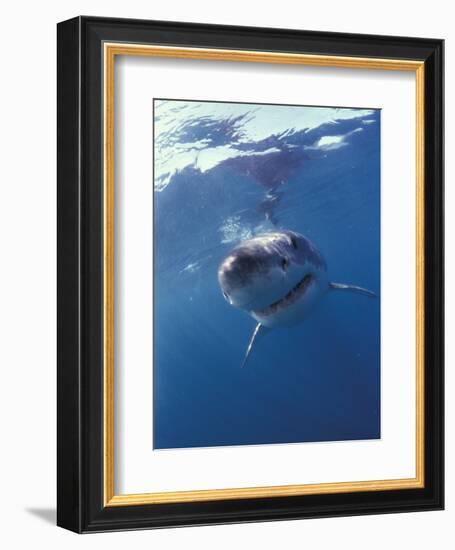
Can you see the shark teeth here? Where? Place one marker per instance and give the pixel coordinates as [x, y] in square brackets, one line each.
[292, 296]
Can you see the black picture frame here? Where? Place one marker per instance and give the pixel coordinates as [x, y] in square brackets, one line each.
[80, 477]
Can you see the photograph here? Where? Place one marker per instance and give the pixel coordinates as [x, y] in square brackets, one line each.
[225, 317]
[250, 274]
[267, 265]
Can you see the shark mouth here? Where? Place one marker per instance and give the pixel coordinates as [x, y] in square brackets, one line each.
[291, 297]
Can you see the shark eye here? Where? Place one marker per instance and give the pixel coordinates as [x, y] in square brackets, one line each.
[284, 263]
[226, 296]
[294, 241]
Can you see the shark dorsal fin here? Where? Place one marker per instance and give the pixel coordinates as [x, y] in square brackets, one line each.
[258, 329]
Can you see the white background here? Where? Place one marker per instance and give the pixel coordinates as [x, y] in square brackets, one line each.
[27, 290]
[139, 469]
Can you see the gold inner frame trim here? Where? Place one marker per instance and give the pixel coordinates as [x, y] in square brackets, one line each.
[110, 50]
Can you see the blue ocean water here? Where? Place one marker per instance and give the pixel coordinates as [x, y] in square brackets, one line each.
[225, 172]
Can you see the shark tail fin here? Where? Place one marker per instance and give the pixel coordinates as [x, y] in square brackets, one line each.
[258, 329]
[352, 288]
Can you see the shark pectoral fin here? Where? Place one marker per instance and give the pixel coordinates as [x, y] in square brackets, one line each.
[258, 329]
[352, 288]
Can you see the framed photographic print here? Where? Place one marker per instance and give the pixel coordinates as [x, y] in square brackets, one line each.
[250, 274]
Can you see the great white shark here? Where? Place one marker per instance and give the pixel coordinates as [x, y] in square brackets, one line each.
[278, 278]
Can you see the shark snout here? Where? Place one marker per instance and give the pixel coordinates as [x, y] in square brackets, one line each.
[233, 275]
[238, 275]
[250, 279]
